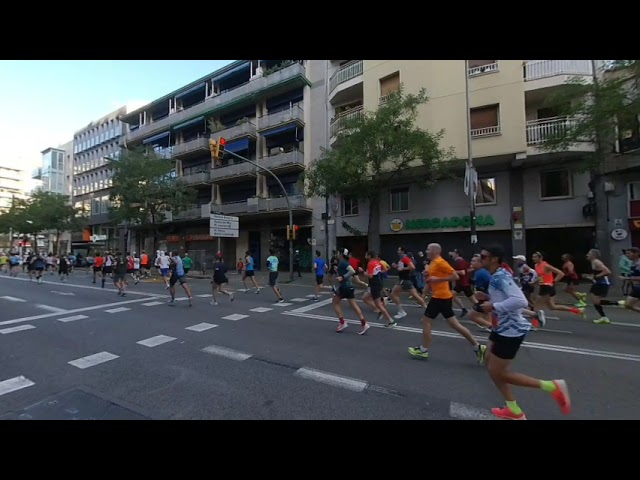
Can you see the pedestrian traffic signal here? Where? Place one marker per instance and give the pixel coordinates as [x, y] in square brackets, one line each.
[222, 143]
[217, 148]
[295, 231]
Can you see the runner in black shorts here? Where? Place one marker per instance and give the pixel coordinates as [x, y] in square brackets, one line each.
[219, 279]
[346, 291]
[373, 295]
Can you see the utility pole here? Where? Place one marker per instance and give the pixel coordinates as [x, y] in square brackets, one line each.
[471, 174]
[286, 196]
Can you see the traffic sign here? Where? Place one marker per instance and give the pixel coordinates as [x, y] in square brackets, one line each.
[224, 226]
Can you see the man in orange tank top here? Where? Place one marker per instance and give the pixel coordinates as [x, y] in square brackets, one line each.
[548, 276]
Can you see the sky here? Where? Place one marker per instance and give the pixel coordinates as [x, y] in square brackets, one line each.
[43, 102]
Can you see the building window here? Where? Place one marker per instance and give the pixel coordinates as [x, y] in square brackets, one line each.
[628, 133]
[485, 121]
[350, 206]
[486, 194]
[478, 67]
[389, 85]
[399, 199]
[555, 184]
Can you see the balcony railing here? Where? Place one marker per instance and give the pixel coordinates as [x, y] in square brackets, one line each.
[488, 68]
[485, 131]
[338, 122]
[536, 69]
[539, 130]
[197, 178]
[294, 157]
[280, 203]
[195, 212]
[231, 208]
[237, 94]
[240, 169]
[240, 130]
[293, 113]
[345, 73]
[200, 143]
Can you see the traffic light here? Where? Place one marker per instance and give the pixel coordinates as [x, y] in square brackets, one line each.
[222, 143]
[288, 232]
[217, 148]
[213, 148]
[295, 231]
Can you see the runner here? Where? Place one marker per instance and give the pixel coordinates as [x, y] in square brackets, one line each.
[219, 279]
[505, 302]
[144, 264]
[346, 291]
[441, 303]
[405, 266]
[463, 284]
[39, 264]
[136, 269]
[373, 295]
[249, 272]
[107, 269]
[187, 263]
[633, 276]
[178, 275]
[120, 268]
[319, 267]
[572, 279]
[63, 268]
[98, 263]
[547, 289]
[162, 262]
[481, 279]
[272, 265]
[600, 288]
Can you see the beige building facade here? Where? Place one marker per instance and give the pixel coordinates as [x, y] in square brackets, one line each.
[529, 199]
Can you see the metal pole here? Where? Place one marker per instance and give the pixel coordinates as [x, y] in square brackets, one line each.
[10, 239]
[472, 192]
[326, 227]
[286, 196]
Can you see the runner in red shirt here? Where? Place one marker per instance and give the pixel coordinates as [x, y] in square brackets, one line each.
[463, 284]
[373, 296]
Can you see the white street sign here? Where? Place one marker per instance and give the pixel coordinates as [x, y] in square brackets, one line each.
[224, 232]
[224, 224]
[215, 216]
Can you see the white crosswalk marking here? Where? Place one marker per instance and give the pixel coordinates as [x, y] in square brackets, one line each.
[261, 309]
[152, 304]
[92, 360]
[299, 300]
[201, 327]
[235, 317]
[467, 412]
[285, 304]
[155, 341]
[13, 299]
[227, 353]
[20, 328]
[13, 384]
[117, 310]
[72, 318]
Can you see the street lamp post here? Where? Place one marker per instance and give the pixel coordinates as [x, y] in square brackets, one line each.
[286, 196]
[470, 169]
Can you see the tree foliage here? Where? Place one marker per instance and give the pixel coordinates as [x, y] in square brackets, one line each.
[375, 150]
[145, 188]
[42, 212]
[598, 110]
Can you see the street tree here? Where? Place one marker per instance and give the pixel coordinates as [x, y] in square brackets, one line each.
[144, 189]
[375, 150]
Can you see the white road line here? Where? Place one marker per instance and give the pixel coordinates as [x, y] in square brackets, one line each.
[75, 310]
[467, 412]
[92, 360]
[299, 300]
[235, 317]
[313, 306]
[88, 287]
[352, 384]
[73, 318]
[626, 324]
[117, 310]
[261, 309]
[311, 296]
[155, 341]
[281, 305]
[201, 327]
[13, 384]
[538, 346]
[51, 309]
[204, 295]
[16, 329]
[13, 299]
[152, 304]
[227, 353]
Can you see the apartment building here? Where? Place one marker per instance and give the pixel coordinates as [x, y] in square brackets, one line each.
[12, 185]
[528, 199]
[54, 170]
[263, 108]
[94, 146]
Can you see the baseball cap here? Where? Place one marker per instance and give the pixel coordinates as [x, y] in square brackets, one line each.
[520, 257]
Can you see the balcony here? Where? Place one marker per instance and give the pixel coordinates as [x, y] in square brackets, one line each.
[338, 122]
[280, 203]
[246, 129]
[233, 172]
[486, 131]
[200, 178]
[346, 82]
[542, 74]
[191, 148]
[36, 174]
[538, 130]
[232, 208]
[289, 77]
[284, 161]
[293, 114]
[195, 212]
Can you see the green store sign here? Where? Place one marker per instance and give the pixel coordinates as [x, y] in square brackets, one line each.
[448, 222]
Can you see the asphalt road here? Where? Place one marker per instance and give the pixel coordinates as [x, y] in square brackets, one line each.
[75, 350]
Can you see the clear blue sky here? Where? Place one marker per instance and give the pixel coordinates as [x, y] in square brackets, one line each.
[45, 101]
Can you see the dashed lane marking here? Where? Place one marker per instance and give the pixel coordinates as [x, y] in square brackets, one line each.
[73, 318]
[92, 360]
[226, 353]
[201, 327]
[155, 341]
[14, 384]
[235, 317]
[19, 328]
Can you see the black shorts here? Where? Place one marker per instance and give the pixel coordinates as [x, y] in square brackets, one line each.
[319, 279]
[97, 269]
[119, 277]
[216, 280]
[130, 271]
[175, 279]
[375, 290]
[527, 288]
[505, 348]
[570, 281]
[547, 291]
[107, 270]
[406, 284]
[345, 292]
[439, 306]
[467, 290]
[599, 290]
[273, 279]
[249, 273]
